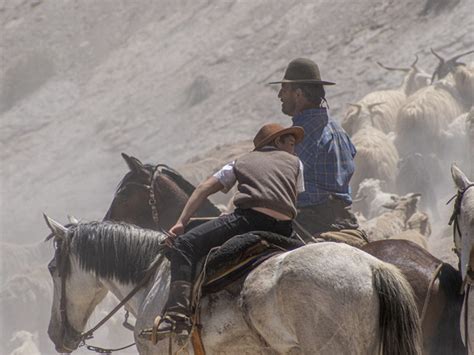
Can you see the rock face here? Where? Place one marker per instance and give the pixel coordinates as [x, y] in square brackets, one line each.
[169, 80]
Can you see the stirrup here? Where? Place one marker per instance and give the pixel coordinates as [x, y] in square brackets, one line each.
[171, 324]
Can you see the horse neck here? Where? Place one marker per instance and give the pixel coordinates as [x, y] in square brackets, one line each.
[464, 237]
[121, 291]
[155, 291]
[172, 197]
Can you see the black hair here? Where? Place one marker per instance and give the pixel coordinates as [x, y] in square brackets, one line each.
[314, 93]
[282, 138]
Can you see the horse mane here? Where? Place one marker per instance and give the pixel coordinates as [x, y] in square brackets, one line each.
[207, 209]
[178, 179]
[115, 250]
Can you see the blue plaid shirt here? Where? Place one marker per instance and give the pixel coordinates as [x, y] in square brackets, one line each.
[327, 154]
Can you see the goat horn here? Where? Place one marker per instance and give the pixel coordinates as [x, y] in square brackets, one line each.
[459, 56]
[441, 59]
[358, 106]
[393, 68]
[371, 106]
[416, 61]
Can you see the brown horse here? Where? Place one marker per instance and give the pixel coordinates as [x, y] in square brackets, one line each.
[435, 284]
[153, 196]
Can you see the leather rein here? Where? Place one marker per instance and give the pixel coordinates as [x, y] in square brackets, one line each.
[62, 254]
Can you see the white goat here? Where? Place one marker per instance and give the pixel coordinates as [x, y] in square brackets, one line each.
[430, 110]
[371, 198]
[457, 139]
[392, 222]
[28, 346]
[420, 222]
[376, 157]
[379, 108]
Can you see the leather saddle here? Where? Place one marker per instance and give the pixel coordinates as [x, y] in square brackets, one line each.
[234, 259]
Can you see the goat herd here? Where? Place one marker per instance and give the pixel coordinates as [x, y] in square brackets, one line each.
[406, 139]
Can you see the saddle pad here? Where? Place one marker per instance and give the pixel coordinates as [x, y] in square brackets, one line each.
[240, 254]
[353, 237]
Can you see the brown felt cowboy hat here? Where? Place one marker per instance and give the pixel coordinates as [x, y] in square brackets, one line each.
[271, 131]
[304, 71]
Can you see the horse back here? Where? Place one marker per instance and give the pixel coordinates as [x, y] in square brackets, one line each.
[417, 265]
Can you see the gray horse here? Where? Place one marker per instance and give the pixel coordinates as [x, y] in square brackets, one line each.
[324, 298]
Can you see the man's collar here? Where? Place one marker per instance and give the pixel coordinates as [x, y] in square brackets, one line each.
[311, 117]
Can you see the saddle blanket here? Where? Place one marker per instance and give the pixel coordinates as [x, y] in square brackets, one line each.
[240, 255]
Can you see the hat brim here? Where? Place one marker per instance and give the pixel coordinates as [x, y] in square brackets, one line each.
[320, 82]
[296, 131]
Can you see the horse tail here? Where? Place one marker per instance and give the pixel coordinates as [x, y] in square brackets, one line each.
[398, 316]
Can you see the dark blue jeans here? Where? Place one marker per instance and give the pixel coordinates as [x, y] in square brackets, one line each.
[195, 244]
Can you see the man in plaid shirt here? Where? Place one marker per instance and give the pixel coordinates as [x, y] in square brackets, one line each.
[327, 152]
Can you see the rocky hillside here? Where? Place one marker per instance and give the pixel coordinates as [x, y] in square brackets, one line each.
[167, 80]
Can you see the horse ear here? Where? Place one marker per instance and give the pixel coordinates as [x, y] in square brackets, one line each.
[59, 231]
[133, 163]
[459, 178]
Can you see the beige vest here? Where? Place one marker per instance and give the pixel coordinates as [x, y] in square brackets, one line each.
[267, 178]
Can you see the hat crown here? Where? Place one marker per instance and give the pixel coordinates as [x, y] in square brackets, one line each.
[265, 132]
[302, 69]
[271, 131]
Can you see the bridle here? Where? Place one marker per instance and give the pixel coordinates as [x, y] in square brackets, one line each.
[469, 279]
[152, 201]
[454, 219]
[61, 255]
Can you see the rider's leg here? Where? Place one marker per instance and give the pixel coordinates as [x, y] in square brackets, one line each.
[195, 244]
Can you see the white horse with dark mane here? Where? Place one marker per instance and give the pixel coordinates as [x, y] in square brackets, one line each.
[324, 298]
[463, 219]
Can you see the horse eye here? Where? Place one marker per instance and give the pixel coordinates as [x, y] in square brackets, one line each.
[52, 266]
[57, 244]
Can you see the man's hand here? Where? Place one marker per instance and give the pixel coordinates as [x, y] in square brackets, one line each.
[176, 230]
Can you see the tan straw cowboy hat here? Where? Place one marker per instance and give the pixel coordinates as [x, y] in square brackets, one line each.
[304, 71]
[271, 131]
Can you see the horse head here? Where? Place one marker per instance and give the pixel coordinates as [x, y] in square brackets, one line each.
[463, 220]
[152, 196]
[76, 292]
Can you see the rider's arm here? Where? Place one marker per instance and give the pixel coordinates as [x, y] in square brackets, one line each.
[204, 189]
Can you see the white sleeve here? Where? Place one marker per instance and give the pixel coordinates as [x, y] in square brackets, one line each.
[226, 176]
[300, 181]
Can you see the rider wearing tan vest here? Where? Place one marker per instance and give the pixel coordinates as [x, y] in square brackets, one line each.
[269, 179]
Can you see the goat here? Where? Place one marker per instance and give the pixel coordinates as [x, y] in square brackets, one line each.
[376, 157]
[392, 222]
[379, 108]
[371, 198]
